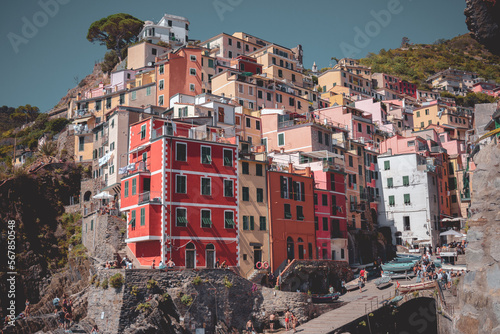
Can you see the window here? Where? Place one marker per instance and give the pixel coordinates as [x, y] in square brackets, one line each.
[192, 57]
[160, 100]
[229, 219]
[453, 198]
[316, 223]
[269, 96]
[293, 77]
[257, 125]
[392, 202]
[260, 195]
[360, 170]
[244, 168]
[360, 128]
[206, 155]
[390, 183]
[206, 219]
[279, 98]
[406, 181]
[122, 98]
[181, 152]
[427, 111]
[211, 63]
[291, 101]
[230, 54]
[407, 199]
[192, 87]
[245, 194]
[238, 44]
[288, 212]
[161, 84]
[262, 223]
[206, 183]
[320, 137]
[228, 157]
[368, 129]
[245, 223]
[143, 131]
[162, 69]
[125, 191]
[134, 186]
[258, 170]
[281, 139]
[315, 199]
[181, 217]
[324, 200]
[143, 216]
[180, 184]
[132, 220]
[228, 188]
[387, 165]
[280, 73]
[406, 223]
[81, 143]
[325, 224]
[327, 140]
[248, 123]
[133, 96]
[421, 124]
[229, 41]
[259, 94]
[300, 212]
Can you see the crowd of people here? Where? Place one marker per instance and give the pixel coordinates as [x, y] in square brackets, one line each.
[64, 311]
[290, 320]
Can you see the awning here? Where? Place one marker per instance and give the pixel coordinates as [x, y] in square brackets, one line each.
[103, 195]
[452, 232]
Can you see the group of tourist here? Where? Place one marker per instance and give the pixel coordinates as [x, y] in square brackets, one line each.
[291, 322]
[170, 264]
[64, 311]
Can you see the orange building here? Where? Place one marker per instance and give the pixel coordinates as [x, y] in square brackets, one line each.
[291, 213]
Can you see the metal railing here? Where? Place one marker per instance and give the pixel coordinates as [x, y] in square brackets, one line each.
[150, 197]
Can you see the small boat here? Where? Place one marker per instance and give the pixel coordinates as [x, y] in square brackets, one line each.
[383, 282]
[406, 259]
[396, 299]
[417, 286]
[328, 298]
[352, 285]
[401, 275]
[398, 267]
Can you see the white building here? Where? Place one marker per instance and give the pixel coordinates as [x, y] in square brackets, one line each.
[410, 206]
[170, 29]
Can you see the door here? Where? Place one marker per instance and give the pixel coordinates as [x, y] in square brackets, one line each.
[290, 249]
[190, 256]
[210, 256]
[257, 255]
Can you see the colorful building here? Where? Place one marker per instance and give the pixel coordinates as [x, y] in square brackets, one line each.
[181, 195]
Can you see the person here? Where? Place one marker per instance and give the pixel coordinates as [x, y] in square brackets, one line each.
[344, 290]
[217, 263]
[124, 262]
[60, 318]
[249, 326]
[294, 321]
[161, 265]
[153, 265]
[448, 279]
[95, 330]
[271, 322]
[170, 264]
[331, 289]
[362, 274]
[365, 276]
[27, 308]
[287, 320]
[360, 283]
[67, 320]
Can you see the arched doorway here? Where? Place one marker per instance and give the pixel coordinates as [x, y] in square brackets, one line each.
[86, 196]
[290, 251]
[210, 256]
[190, 255]
[301, 248]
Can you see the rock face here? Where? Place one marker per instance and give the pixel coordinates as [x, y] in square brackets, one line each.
[479, 293]
[483, 20]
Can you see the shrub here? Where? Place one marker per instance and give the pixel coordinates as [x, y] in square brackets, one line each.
[187, 300]
[197, 280]
[144, 307]
[165, 296]
[116, 280]
[134, 290]
[151, 284]
[92, 280]
[104, 283]
[227, 283]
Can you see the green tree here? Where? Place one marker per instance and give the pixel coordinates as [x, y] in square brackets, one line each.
[111, 58]
[115, 31]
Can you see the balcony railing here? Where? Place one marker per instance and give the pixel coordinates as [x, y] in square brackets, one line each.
[150, 197]
[166, 130]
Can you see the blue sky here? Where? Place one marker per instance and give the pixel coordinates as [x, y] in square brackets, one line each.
[41, 64]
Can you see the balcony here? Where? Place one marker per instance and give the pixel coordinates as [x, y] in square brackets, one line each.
[165, 130]
[153, 197]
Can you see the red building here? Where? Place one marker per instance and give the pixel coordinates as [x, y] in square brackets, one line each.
[180, 195]
[291, 212]
[247, 64]
[408, 88]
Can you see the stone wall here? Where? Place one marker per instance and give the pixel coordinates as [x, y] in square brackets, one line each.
[220, 296]
[478, 310]
[103, 235]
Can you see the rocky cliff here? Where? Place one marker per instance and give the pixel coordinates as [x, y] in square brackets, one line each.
[478, 310]
[483, 21]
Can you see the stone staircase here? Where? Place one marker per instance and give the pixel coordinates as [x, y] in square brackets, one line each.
[128, 253]
[256, 275]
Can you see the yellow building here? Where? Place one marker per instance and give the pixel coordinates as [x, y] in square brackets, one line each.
[253, 211]
[143, 54]
[353, 66]
[341, 81]
[442, 115]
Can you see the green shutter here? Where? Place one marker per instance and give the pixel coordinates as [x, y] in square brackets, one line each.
[126, 189]
[406, 181]
[263, 224]
[391, 201]
[387, 165]
[390, 183]
[245, 223]
[143, 216]
[407, 198]
[134, 186]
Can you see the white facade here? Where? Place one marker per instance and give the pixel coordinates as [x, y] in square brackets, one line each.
[418, 219]
[170, 29]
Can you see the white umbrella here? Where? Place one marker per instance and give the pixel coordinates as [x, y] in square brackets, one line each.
[103, 195]
[452, 232]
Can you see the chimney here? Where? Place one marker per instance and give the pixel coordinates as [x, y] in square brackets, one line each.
[290, 167]
[308, 171]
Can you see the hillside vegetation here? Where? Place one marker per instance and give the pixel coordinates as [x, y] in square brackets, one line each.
[415, 63]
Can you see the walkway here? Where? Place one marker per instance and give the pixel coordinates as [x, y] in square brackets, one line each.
[358, 305]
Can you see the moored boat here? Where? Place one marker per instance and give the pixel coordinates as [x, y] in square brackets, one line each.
[398, 267]
[328, 298]
[383, 282]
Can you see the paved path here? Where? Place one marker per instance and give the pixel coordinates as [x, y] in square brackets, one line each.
[358, 305]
